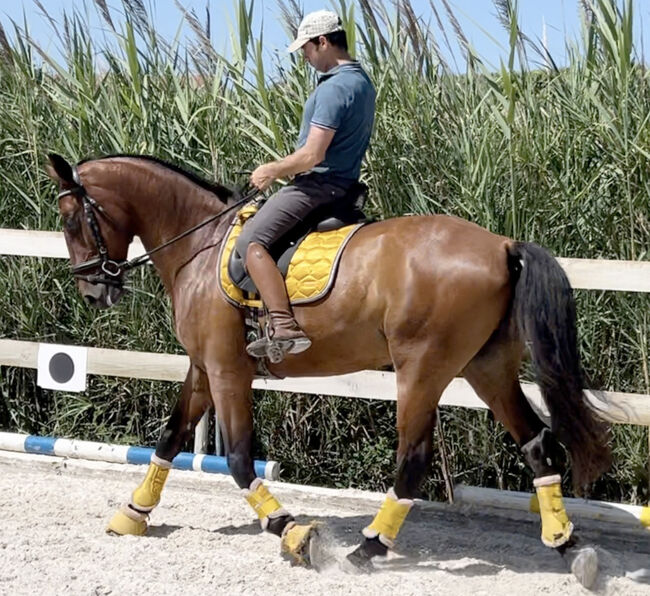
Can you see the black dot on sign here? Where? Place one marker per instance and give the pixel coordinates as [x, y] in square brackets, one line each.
[61, 367]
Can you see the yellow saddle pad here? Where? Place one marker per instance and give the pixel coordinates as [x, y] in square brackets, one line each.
[311, 271]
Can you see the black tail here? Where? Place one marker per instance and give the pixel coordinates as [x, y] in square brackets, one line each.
[544, 311]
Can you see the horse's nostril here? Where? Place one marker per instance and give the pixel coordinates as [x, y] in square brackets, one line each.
[91, 300]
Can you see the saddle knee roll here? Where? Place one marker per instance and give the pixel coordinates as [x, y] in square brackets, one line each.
[147, 495]
[389, 519]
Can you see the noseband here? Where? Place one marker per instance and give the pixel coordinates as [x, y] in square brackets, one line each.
[111, 272]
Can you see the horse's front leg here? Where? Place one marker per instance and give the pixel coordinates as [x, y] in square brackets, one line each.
[231, 392]
[193, 402]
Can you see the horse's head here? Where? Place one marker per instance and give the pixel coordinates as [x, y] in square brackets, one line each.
[97, 240]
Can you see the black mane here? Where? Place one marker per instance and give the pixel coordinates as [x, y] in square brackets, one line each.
[223, 192]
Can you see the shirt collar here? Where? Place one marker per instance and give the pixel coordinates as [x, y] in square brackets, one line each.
[354, 65]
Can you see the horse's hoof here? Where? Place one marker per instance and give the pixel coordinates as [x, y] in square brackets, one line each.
[127, 521]
[296, 543]
[361, 557]
[583, 562]
[358, 562]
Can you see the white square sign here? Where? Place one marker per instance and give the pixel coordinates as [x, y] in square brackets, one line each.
[62, 367]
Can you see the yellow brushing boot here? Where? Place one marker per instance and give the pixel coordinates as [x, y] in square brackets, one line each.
[389, 519]
[295, 538]
[557, 530]
[132, 518]
[556, 527]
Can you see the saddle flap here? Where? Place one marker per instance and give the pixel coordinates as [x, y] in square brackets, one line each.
[308, 262]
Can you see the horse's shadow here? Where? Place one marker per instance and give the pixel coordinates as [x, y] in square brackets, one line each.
[475, 545]
[162, 530]
[165, 530]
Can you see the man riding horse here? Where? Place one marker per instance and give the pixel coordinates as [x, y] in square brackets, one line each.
[434, 297]
[336, 127]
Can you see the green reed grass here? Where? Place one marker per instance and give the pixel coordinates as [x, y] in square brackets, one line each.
[555, 155]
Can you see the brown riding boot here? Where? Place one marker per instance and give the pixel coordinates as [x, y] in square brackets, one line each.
[284, 334]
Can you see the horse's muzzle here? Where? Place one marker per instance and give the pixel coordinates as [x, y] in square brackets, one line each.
[101, 295]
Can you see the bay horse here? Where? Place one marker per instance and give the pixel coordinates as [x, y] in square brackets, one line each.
[432, 296]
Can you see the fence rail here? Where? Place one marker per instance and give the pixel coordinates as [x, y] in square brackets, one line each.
[630, 408]
[584, 274]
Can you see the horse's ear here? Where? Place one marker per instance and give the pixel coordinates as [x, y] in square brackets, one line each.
[59, 169]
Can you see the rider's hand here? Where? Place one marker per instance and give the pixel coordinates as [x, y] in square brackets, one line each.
[264, 176]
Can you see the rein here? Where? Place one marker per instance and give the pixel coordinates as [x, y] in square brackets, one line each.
[112, 271]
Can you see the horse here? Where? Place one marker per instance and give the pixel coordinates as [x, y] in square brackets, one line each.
[432, 296]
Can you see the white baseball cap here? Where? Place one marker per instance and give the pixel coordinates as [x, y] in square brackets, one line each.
[315, 24]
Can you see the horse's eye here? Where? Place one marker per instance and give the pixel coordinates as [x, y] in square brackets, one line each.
[70, 223]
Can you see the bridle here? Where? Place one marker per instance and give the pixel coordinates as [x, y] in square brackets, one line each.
[111, 271]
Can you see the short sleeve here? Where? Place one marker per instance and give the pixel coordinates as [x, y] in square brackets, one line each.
[330, 105]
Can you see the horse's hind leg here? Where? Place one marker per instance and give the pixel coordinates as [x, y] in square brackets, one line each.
[420, 383]
[193, 401]
[493, 374]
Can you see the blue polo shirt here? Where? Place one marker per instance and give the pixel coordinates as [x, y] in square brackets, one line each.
[344, 101]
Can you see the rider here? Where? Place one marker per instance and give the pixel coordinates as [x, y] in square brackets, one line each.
[336, 127]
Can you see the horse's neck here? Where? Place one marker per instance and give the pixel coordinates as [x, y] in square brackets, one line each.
[167, 210]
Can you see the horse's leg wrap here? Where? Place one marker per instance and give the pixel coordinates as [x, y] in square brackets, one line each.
[132, 518]
[147, 495]
[264, 503]
[277, 520]
[296, 540]
[389, 519]
[128, 521]
[556, 527]
[541, 453]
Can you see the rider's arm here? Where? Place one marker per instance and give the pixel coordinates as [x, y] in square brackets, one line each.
[301, 160]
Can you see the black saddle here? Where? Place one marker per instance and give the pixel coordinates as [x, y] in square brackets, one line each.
[347, 211]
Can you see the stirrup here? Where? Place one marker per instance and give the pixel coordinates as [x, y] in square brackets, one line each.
[276, 349]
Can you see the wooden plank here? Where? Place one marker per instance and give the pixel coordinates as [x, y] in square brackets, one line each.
[34, 243]
[584, 274]
[601, 274]
[371, 384]
[489, 497]
[630, 408]
[137, 365]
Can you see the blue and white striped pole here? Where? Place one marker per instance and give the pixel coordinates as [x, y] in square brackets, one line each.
[125, 454]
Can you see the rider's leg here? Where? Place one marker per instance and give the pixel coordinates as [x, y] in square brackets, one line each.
[281, 214]
[284, 330]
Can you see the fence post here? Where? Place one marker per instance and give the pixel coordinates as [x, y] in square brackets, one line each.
[201, 435]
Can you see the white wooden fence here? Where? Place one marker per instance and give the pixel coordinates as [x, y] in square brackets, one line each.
[631, 276]
[584, 274]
